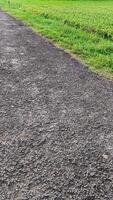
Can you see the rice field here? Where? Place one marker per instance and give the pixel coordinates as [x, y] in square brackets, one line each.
[83, 27]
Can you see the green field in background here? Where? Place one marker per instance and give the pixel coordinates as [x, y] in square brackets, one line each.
[85, 28]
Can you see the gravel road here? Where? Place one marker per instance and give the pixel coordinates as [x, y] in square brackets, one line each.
[56, 121]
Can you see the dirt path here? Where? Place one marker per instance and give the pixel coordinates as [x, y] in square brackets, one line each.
[56, 122]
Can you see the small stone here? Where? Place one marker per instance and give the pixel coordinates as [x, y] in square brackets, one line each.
[105, 156]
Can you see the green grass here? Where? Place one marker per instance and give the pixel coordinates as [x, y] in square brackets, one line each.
[85, 28]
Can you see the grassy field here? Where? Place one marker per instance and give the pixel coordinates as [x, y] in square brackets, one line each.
[85, 28]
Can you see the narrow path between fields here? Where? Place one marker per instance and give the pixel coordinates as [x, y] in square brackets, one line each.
[56, 122]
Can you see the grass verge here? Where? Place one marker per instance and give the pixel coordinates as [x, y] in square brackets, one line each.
[85, 28]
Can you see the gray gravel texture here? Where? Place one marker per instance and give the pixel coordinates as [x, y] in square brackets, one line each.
[56, 121]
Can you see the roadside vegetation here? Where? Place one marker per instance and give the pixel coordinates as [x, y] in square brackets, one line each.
[85, 28]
